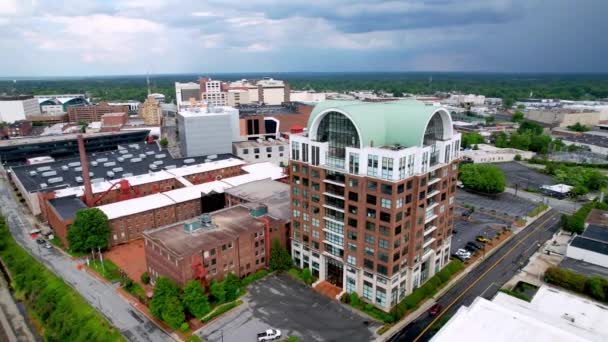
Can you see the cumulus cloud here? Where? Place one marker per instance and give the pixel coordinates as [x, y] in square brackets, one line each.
[134, 36]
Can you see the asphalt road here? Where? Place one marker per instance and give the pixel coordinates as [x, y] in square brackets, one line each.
[488, 277]
[103, 297]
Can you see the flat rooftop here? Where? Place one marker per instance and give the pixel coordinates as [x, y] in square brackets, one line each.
[596, 232]
[261, 143]
[265, 110]
[598, 217]
[551, 316]
[227, 225]
[67, 207]
[55, 138]
[130, 161]
[590, 245]
[274, 194]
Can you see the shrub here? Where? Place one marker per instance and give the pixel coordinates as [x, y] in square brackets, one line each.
[232, 286]
[184, 327]
[194, 338]
[217, 292]
[195, 300]
[145, 278]
[164, 142]
[517, 157]
[306, 276]
[354, 299]
[280, 260]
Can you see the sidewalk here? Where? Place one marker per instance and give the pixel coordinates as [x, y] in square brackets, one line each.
[424, 307]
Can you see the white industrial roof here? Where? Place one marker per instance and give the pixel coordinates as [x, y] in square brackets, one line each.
[268, 169]
[204, 167]
[195, 191]
[135, 205]
[551, 316]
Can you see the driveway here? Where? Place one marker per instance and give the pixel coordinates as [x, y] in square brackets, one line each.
[280, 302]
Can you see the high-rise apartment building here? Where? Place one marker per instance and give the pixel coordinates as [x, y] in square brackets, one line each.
[373, 193]
[150, 111]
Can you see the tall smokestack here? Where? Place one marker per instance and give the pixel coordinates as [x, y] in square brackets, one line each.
[88, 191]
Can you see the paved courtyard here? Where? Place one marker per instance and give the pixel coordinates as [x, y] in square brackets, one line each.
[523, 177]
[282, 303]
[503, 204]
[129, 257]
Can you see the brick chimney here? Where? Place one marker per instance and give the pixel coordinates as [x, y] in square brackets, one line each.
[88, 191]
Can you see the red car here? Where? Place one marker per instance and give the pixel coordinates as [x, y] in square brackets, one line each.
[435, 309]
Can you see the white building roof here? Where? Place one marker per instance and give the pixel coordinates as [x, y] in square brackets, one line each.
[136, 205]
[559, 188]
[204, 167]
[269, 170]
[193, 192]
[551, 316]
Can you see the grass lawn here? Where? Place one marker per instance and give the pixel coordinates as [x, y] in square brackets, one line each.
[108, 270]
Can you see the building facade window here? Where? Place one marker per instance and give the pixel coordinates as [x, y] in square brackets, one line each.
[353, 163]
[372, 165]
[387, 168]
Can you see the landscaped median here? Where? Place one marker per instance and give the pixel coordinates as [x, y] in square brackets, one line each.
[60, 312]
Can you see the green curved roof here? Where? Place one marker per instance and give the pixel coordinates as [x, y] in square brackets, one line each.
[383, 123]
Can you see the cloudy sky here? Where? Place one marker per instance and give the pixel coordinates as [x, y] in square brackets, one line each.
[87, 37]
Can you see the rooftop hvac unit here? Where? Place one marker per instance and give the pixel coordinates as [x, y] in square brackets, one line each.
[118, 169]
[102, 160]
[135, 160]
[213, 156]
[152, 167]
[142, 156]
[133, 146]
[206, 220]
[78, 179]
[109, 164]
[91, 174]
[33, 173]
[129, 155]
[78, 169]
[93, 163]
[49, 174]
[160, 156]
[97, 180]
[110, 174]
[150, 153]
[55, 180]
[43, 186]
[158, 162]
[127, 174]
[189, 161]
[43, 168]
[64, 167]
[74, 164]
[120, 159]
[122, 151]
[170, 167]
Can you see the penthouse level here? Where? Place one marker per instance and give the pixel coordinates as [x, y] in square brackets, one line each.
[14, 151]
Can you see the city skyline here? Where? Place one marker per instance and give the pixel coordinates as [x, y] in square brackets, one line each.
[164, 37]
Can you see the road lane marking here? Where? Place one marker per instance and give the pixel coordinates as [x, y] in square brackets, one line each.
[551, 217]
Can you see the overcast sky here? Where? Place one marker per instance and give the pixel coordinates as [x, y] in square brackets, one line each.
[86, 37]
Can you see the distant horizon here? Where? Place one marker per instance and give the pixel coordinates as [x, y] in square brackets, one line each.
[270, 73]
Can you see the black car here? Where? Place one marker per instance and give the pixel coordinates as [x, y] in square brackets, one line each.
[471, 249]
[40, 241]
[456, 256]
[473, 245]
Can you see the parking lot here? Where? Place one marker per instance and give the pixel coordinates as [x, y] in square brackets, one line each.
[478, 224]
[523, 176]
[280, 302]
[503, 204]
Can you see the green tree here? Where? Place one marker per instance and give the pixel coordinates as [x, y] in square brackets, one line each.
[577, 127]
[173, 312]
[507, 102]
[195, 300]
[501, 140]
[520, 141]
[532, 127]
[280, 260]
[490, 120]
[145, 278]
[217, 291]
[164, 142]
[469, 139]
[517, 157]
[595, 288]
[483, 178]
[307, 276]
[90, 230]
[164, 291]
[517, 117]
[540, 144]
[232, 286]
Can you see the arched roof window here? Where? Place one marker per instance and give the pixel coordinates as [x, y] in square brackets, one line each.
[339, 132]
[434, 130]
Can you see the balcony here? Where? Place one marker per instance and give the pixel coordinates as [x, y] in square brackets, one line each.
[430, 229]
[428, 242]
[334, 190]
[433, 180]
[335, 178]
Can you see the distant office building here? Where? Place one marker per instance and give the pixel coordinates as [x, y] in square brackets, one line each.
[133, 105]
[94, 112]
[265, 91]
[491, 154]
[237, 97]
[563, 117]
[271, 150]
[59, 104]
[373, 196]
[307, 96]
[206, 131]
[158, 97]
[20, 107]
[184, 92]
[214, 92]
[150, 111]
[463, 100]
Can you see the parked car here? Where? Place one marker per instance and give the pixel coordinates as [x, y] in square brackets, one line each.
[472, 245]
[463, 253]
[456, 256]
[40, 241]
[48, 246]
[269, 335]
[435, 309]
[471, 249]
[482, 239]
